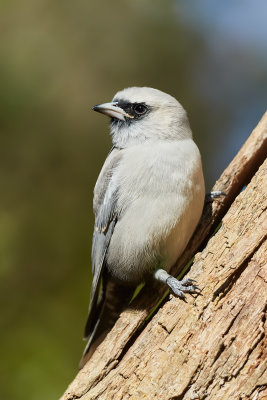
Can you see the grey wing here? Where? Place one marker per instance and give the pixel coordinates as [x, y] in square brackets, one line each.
[105, 205]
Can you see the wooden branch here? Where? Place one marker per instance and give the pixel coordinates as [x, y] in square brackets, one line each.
[210, 347]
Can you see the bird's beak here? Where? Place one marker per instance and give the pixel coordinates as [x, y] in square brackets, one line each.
[112, 110]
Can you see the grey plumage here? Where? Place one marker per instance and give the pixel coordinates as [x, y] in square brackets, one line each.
[147, 201]
[105, 202]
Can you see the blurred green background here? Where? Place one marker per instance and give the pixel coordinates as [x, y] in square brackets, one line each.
[58, 59]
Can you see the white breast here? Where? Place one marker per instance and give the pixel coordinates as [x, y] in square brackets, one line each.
[161, 197]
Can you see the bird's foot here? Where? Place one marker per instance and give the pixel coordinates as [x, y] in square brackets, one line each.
[179, 288]
[214, 195]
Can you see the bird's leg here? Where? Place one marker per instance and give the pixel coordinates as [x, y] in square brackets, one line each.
[213, 195]
[179, 288]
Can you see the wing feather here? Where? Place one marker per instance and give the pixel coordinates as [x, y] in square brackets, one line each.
[106, 213]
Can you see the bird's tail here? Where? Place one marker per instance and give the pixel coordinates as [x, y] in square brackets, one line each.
[116, 298]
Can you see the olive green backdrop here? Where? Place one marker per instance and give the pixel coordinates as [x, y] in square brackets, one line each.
[58, 59]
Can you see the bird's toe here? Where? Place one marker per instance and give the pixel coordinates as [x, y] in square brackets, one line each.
[179, 288]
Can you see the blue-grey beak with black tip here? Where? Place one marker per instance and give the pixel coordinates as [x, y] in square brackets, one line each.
[112, 110]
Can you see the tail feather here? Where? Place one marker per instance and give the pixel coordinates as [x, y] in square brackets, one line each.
[116, 298]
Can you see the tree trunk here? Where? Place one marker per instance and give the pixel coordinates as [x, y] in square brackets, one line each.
[214, 345]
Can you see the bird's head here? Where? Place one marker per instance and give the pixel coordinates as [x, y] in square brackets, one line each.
[140, 114]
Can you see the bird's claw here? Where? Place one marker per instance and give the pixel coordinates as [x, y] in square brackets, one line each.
[214, 195]
[179, 288]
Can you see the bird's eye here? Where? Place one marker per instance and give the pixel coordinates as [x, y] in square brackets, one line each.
[140, 109]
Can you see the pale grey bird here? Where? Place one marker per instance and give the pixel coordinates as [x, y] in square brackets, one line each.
[148, 200]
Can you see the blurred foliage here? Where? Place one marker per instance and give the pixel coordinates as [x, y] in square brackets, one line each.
[57, 60]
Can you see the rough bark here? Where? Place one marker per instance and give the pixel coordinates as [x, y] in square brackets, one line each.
[213, 346]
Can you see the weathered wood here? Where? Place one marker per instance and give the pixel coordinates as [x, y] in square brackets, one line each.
[196, 348]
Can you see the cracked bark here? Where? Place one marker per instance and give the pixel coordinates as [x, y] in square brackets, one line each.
[214, 346]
